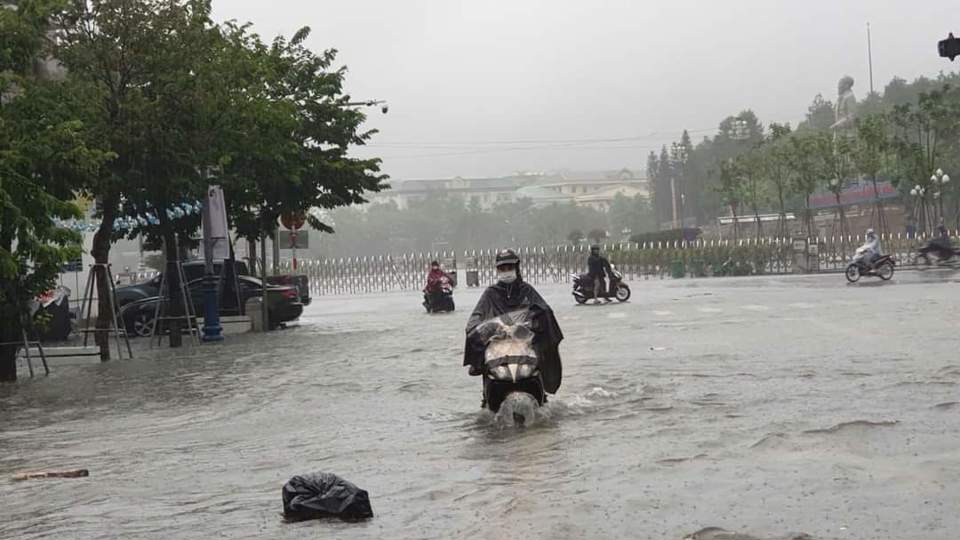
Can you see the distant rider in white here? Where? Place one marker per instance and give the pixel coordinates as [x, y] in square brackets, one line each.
[870, 249]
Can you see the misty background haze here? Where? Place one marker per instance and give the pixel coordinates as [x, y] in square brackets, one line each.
[489, 88]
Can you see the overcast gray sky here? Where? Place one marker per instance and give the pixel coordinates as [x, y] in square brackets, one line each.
[489, 87]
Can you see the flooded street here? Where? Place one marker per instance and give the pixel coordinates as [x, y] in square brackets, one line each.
[762, 405]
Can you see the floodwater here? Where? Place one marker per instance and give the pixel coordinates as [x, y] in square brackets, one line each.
[760, 405]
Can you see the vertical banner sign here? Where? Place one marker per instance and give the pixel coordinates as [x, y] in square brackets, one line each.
[215, 223]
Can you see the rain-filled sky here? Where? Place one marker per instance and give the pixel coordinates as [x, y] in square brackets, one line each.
[491, 87]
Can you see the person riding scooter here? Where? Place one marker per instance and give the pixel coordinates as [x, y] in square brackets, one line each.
[870, 249]
[436, 280]
[438, 283]
[940, 244]
[598, 267]
[435, 277]
[511, 293]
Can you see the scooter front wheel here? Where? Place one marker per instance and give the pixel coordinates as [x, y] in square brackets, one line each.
[580, 298]
[853, 273]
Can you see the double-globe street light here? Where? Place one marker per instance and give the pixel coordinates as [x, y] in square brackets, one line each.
[937, 187]
[919, 193]
[939, 181]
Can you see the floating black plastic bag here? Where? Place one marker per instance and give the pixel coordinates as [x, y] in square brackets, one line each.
[321, 495]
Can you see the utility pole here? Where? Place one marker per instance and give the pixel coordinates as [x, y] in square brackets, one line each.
[276, 251]
[673, 197]
[870, 56]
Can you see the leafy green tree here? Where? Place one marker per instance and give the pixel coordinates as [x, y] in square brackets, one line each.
[184, 102]
[840, 167]
[809, 169]
[147, 65]
[925, 138]
[686, 182]
[631, 213]
[663, 190]
[293, 154]
[820, 115]
[870, 154]
[730, 188]
[43, 153]
[776, 164]
[753, 185]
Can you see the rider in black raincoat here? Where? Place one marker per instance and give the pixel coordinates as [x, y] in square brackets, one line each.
[511, 293]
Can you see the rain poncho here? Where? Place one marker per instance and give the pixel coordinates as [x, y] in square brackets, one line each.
[501, 298]
[870, 249]
[435, 280]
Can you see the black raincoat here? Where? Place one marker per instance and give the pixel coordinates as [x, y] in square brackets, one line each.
[598, 265]
[501, 298]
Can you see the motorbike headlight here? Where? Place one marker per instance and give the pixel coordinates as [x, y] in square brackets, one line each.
[526, 371]
[500, 372]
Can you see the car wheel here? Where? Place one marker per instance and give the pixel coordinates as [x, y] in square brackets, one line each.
[143, 324]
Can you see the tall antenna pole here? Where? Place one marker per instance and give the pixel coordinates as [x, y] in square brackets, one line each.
[870, 56]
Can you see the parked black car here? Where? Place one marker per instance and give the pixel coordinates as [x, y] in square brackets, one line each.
[283, 303]
[195, 270]
[192, 270]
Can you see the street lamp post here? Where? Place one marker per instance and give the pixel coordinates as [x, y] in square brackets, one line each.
[918, 193]
[679, 154]
[939, 181]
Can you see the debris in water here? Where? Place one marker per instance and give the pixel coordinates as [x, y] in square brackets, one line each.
[716, 533]
[321, 495]
[33, 475]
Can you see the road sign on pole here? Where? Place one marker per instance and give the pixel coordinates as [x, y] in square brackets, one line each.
[293, 220]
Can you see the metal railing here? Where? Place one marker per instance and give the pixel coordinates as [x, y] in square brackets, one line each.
[554, 264]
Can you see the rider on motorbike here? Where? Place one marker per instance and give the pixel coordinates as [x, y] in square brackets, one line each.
[511, 293]
[940, 243]
[870, 249]
[598, 266]
[435, 282]
[435, 278]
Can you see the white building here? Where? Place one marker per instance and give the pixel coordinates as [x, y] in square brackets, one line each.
[596, 189]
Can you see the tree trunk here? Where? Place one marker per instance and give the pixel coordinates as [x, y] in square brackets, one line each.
[782, 221]
[101, 255]
[840, 226]
[9, 333]
[756, 217]
[736, 223]
[956, 211]
[175, 307]
[808, 218]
